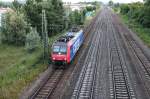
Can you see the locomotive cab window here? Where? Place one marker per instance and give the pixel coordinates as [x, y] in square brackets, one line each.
[63, 49]
[60, 49]
[56, 49]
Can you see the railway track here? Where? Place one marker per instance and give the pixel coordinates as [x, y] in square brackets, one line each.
[139, 59]
[128, 92]
[139, 53]
[120, 83]
[86, 86]
[86, 83]
[122, 86]
[103, 68]
[46, 90]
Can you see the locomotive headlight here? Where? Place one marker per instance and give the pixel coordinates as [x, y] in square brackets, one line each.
[53, 58]
[65, 59]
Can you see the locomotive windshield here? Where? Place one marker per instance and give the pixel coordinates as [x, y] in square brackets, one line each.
[56, 49]
[60, 49]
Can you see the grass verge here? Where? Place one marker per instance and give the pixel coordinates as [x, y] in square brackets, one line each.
[142, 32]
[18, 68]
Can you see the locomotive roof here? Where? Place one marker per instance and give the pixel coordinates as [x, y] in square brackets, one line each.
[60, 43]
[63, 40]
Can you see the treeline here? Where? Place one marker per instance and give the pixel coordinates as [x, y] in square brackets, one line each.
[78, 17]
[23, 24]
[5, 4]
[140, 12]
[23, 19]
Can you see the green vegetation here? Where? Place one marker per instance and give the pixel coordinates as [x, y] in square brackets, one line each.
[14, 29]
[110, 3]
[54, 14]
[32, 40]
[137, 17]
[142, 32]
[137, 11]
[18, 68]
[0, 38]
[76, 18]
[5, 4]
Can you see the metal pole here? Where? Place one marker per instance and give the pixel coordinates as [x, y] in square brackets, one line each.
[45, 36]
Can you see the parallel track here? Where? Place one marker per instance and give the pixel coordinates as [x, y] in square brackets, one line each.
[85, 82]
[85, 85]
[142, 61]
[138, 57]
[121, 90]
[139, 53]
[122, 84]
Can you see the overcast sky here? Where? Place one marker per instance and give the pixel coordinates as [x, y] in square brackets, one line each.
[105, 1]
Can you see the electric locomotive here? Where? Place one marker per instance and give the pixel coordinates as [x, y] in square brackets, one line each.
[66, 47]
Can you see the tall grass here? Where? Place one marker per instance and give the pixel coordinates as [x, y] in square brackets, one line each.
[18, 68]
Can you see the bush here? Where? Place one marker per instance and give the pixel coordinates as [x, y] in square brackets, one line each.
[32, 40]
[138, 11]
[145, 21]
[90, 8]
[77, 17]
[124, 8]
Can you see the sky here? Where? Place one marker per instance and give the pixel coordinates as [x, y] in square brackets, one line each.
[105, 1]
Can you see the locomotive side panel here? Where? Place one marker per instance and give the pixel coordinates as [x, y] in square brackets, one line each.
[76, 45]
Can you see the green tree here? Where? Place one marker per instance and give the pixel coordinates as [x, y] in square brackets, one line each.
[147, 2]
[110, 3]
[5, 4]
[90, 8]
[54, 13]
[14, 29]
[124, 8]
[16, 5]
[32, 40]
[56, 16]
[134, 10]
[146, 14]
[33, 11]
[76, 18]
[97, 4]
[138, 11]
[0, 38]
